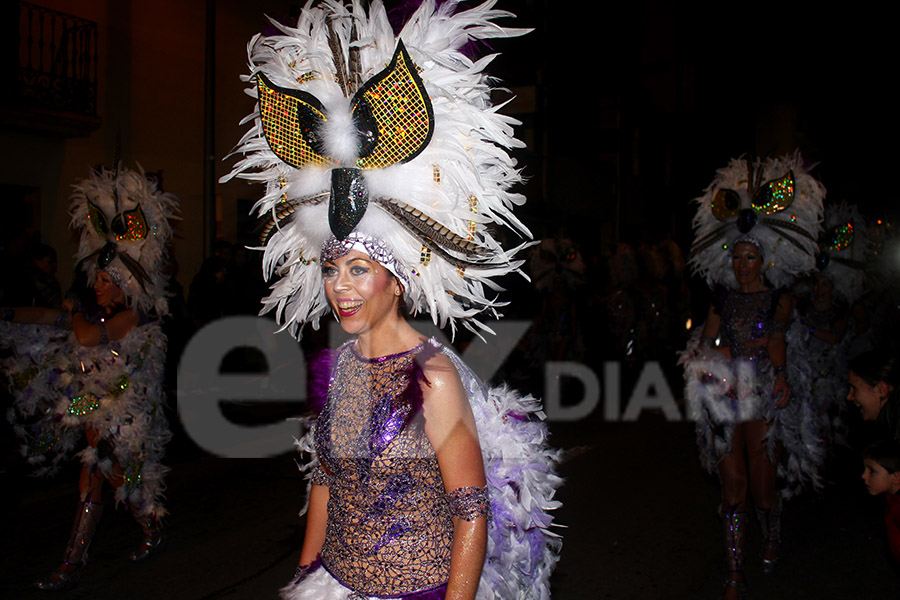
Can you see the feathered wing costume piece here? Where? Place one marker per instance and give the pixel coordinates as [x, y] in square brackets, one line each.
[842, 261]
[60, 386]
[360, 135]
[124, 222]
[520, 468]
[776, 205]
[38, 373]
[772, 202]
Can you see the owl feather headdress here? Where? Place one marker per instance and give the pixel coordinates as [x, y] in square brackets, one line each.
[124, 222]
[773, 203]
[386, 143]
[842, 250]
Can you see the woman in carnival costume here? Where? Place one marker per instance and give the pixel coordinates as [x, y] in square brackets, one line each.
[385, 164]
[836, 285]
[97, 369]
[747, 381]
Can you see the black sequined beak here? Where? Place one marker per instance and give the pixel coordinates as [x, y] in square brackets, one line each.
[106, 255]
[746, 219]
[348, 202]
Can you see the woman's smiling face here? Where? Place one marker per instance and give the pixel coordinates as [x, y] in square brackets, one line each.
[867, 397]
[108, 293]
[362, 292]
[747, 263]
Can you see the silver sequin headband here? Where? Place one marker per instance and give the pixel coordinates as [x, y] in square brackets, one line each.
[749, 239]
[374, 248]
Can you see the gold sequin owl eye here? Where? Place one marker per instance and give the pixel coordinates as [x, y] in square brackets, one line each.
[774, 196]
[839, 237]
[98, 220]
[129, 226]
[726, 204]
[291, 120]
[393, 114]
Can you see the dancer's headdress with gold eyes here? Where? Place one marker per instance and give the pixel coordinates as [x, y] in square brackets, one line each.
[773, 203]
[358, 134]
[842, 250]
[124, 223]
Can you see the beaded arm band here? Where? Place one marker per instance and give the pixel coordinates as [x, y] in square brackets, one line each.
[779, 371]
[469, 503]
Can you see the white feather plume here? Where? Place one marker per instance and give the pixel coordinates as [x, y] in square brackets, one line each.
[469, 149]
[783, 258]
[113, 193]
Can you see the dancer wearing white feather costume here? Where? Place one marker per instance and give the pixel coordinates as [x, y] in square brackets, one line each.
[747, 384]
[829, 314]
[97, 370]
[385, 163]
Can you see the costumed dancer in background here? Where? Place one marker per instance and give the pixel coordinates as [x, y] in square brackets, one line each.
[622, 303]
[558, 271]
[385, 166]
[836, 286]
[747, 384]
[97, 369]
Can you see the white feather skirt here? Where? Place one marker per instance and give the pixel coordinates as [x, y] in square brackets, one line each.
[722, 392]
[61, 387]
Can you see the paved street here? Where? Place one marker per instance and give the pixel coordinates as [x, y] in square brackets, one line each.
[639, 512]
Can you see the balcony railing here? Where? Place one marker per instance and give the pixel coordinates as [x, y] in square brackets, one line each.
[57, 61]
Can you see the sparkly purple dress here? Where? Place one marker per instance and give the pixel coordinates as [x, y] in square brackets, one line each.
[389, 531]
[389, 525]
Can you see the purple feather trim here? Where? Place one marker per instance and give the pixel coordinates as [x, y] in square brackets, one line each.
[320, 372]
[438, 593]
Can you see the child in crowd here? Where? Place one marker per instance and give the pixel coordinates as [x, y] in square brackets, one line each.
[882, 476]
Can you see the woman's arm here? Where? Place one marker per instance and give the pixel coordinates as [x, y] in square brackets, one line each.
[711, 331]
[116, 328]
[777, 350]
[450, 427]
[35, 315]
[316, 518]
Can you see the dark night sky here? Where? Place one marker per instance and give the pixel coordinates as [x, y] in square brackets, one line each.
[673, 90]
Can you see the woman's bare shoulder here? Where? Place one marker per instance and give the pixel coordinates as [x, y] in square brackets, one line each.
[441, 374]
